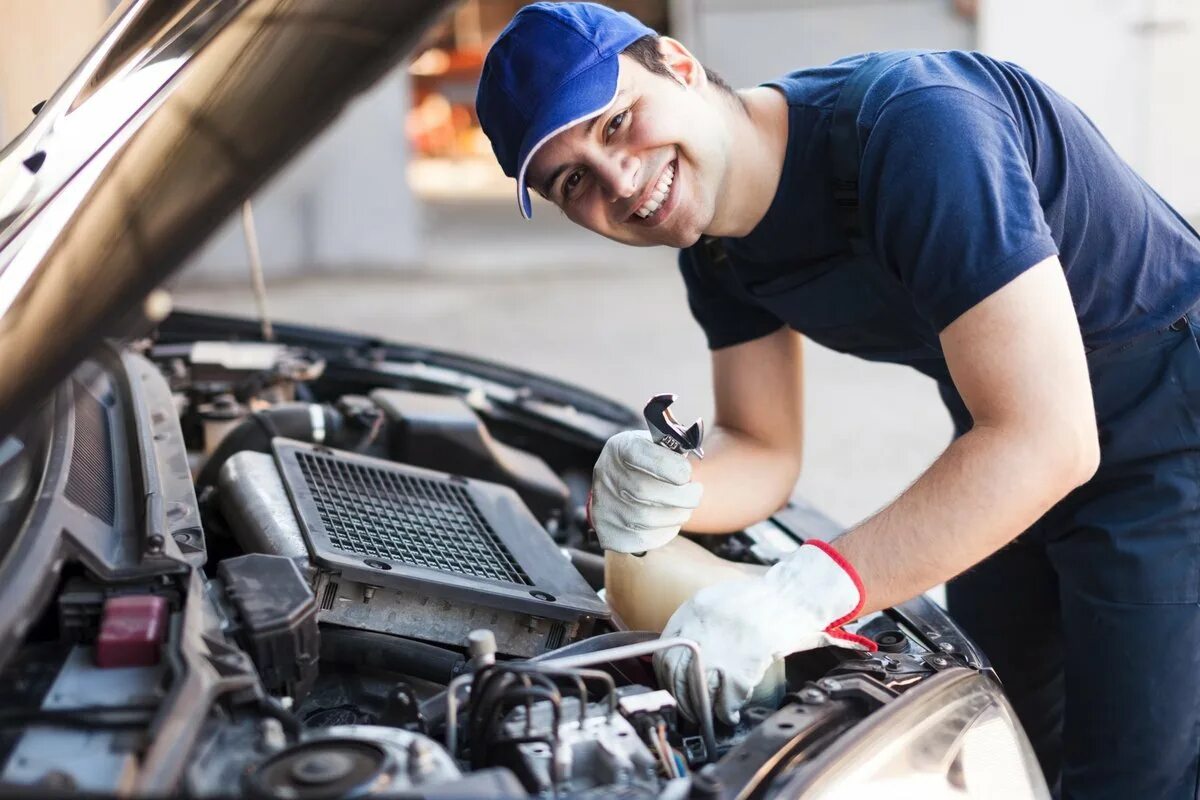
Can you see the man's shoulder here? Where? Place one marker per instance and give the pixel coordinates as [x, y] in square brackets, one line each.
[817, 87]
[972, 72]
[930, 76]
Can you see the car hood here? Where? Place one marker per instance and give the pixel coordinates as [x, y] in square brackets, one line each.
[177, 115]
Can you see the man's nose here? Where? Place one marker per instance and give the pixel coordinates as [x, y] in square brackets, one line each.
[618, 176]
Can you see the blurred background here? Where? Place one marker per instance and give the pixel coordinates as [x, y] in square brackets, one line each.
[398, 222]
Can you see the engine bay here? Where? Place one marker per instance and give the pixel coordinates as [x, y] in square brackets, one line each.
[327, 568]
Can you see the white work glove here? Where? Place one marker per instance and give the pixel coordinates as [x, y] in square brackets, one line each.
[744, 625]
[642, 493]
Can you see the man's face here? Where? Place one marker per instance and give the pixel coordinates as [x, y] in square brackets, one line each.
[646, 171]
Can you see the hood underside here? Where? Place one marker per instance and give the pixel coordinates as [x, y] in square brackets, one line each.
[180, 112]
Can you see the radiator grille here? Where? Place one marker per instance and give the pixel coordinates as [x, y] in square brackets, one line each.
[90, 483]
[408, 519]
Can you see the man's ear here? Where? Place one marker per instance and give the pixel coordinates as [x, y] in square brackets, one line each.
[685, 66]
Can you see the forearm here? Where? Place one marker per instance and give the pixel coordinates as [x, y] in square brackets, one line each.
[745, 480]
[985, 489]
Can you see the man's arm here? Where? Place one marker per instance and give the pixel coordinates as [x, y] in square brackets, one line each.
[1017, 359]
[752, 453]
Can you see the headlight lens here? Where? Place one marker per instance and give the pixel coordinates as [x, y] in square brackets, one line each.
[955, 736]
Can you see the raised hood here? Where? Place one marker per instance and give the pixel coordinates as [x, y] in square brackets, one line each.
[183, 109]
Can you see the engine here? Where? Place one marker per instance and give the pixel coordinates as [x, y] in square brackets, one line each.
[366, 576]
[397, 539]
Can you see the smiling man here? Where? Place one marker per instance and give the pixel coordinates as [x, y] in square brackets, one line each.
[942, 210]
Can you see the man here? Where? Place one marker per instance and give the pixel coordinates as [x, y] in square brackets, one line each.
[942, 210]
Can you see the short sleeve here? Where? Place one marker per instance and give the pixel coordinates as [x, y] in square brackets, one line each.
[947, 188]
[718, 302]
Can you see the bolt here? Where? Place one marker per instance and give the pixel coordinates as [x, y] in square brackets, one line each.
[939, 661]
[829, 684]
[368, 593]
[811, 695]
[946, 647]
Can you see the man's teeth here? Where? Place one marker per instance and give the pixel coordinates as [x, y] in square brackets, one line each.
[659, 195]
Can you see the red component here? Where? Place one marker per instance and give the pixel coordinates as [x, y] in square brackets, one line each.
[132, 631]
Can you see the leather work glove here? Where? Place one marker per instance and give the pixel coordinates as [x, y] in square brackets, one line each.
[744, 625]
[642, 493]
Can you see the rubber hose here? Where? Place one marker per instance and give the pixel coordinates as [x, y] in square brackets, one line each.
[590, 566]
[352, 647]
[255, 432]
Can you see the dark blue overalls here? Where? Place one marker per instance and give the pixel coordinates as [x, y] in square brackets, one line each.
[1091, 616]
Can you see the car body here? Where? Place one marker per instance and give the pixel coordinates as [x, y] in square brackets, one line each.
[327, 565]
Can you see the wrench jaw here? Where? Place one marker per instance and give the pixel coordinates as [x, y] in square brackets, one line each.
[695, 435]
[666, 431]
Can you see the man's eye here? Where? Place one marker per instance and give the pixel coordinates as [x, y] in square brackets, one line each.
[614, 124]
[571, 182]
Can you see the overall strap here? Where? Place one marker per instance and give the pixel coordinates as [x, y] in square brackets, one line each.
[710, 256]
[845, 149]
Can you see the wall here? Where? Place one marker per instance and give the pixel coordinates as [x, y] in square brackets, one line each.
[1131, 65]
[342, 205]
[749, 41]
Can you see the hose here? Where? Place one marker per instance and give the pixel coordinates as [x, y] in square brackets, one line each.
[255, 432]
[352, 647]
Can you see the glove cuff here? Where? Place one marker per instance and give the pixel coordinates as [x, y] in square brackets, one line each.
[834, 628]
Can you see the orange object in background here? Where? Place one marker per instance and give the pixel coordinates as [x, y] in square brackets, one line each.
[441, 123]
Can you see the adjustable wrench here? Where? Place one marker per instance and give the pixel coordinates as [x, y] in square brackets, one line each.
[666, 431]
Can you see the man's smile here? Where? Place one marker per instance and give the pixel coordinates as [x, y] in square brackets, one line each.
[658, 199]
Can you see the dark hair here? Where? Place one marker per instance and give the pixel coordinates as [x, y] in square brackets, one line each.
[646, 53]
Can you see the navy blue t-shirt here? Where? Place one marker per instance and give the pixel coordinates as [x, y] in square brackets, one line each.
[972, 171]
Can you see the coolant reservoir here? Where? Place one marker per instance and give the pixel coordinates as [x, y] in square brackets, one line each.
[219, 417]
[646, 590]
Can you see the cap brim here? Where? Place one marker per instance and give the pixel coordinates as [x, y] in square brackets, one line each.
[588, 94]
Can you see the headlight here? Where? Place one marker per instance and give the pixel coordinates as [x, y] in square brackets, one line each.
[953, 736]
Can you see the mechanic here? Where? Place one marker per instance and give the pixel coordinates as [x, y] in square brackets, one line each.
[943, 210]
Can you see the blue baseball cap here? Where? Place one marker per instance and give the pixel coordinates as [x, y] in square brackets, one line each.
[554, 66]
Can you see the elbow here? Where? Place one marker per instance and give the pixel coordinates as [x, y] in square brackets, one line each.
[786, 472]
[1087, 459]
[790, 469]
[1079, 456]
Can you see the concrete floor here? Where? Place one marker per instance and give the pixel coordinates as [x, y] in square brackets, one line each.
[622, 328]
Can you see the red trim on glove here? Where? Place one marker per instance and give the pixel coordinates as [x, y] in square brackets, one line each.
[835, 628]
[839, 633]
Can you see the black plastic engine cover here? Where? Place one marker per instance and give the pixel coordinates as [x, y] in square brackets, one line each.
[442, 432]
[276, 614]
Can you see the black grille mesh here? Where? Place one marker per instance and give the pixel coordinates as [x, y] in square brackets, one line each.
[412, 520]
[90, 483]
